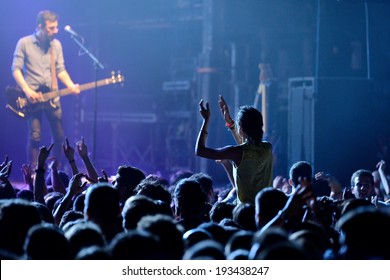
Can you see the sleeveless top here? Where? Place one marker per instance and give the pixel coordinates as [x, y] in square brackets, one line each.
[255, 171]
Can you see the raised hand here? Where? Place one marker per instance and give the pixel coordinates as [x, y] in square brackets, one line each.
[204, 111]
[381, 166]
[6, 170]
[381, 169]
[224, 110]
[281, 183]
[75, 187]
[229, 122]
[44, 154]
[336, 189]
[27, 176]
[347, 193]
[69, 154]
[53, 164]
[4, 163]
[56, 181]
[75, 184]
[40, 188]
[302, 195]
[82, 148]
[68, 150]
[83, 152]
[104, 178]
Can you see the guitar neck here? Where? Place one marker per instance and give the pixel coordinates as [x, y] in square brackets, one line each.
[53, 94]
[264, 107]
[264, 77]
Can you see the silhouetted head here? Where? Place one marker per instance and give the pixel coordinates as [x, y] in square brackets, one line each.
[269, 201]
[46, 242]
[204, 250]
[102, 203]
[126, 180]
[190, 198]
[300, 170]
[250, 122]
[193, 236]
[83, 235]
[135, 245]
[168, 232]
[206, 183]
[17, 216]
[364, 233]
[135, 208]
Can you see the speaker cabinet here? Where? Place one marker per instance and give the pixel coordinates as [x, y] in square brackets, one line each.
[334, 124]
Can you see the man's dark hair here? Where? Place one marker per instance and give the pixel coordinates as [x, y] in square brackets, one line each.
[46, 15]
[102, 202]
[300, 169]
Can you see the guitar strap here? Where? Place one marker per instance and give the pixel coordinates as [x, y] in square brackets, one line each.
[54, 83]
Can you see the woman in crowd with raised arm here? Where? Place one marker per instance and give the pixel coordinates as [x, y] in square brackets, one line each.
[251, 158]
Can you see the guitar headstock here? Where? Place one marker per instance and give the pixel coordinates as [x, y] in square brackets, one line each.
[117, 77]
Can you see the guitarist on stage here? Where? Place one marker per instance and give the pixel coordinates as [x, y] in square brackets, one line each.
[37, 63]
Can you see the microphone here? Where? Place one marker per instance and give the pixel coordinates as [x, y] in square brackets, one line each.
[68, 29]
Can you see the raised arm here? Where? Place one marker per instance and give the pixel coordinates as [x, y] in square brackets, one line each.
[83, 152]
[227, 166]
[336, 190]
[200, 147]
[27, 176]
[56, 181]
[5, 171]
[75, 187]
[69, 154]
[293, 212]
[233, 153]
[229, 122]
[40, 188]
[381, 169]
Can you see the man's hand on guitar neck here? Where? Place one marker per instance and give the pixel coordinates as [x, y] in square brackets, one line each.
[66, 80]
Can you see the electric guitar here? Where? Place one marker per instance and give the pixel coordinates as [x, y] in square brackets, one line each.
[265, 77]
[18, 103]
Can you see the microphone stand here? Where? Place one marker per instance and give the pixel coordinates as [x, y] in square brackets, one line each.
[97, 65]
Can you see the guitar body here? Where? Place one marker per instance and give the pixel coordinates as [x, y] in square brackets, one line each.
[18, 103]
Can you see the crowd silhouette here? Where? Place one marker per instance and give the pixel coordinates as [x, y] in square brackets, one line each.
[139, 216]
